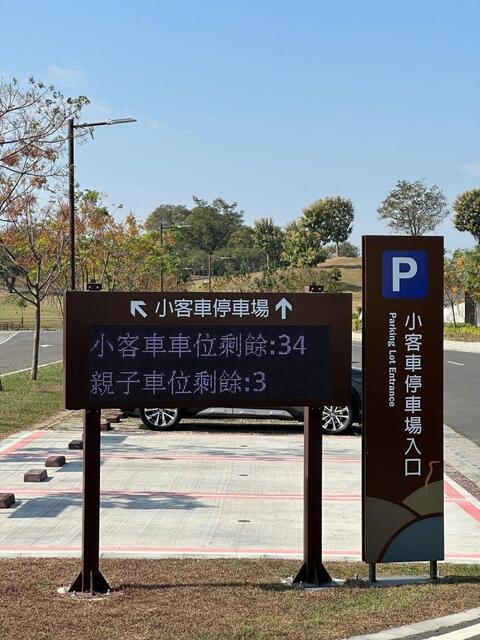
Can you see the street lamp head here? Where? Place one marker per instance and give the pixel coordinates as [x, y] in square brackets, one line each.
[121, 120]
[89, 125]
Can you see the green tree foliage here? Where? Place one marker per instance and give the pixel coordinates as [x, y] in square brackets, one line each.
[454, 282]
[302, 247]
[167, 215]
[467, 212]
[413, 208]
[345, 250]
[245, 256]
[211, 225]
[268, 237]
[331, 280]
[331, 218]
[472, 272]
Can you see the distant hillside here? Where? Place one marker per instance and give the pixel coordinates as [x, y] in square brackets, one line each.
[351, 269]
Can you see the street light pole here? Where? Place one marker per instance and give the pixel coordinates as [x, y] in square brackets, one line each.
[71, 201]
[71, 180]
[161, 256]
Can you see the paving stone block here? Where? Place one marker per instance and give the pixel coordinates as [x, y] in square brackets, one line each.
[55, 461]
[6, 500]
[115, 418]
[35, 475]
[75, 444]
[105, 426]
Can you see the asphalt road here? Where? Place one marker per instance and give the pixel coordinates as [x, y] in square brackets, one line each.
[16, 349]
[462, 375]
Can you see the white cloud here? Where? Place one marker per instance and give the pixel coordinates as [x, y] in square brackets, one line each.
[69, 77]
[472, 169]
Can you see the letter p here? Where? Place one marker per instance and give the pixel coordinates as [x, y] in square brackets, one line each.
[405, 274]
[402, 274]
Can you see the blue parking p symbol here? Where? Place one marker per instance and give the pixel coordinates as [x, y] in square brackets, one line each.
[405, 274]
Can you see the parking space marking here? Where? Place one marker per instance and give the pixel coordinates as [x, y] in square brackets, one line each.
[453, 495]
[61, 496]
[40, 366]
[9, 337]
[170, 551]
[459, 364]
[21, 443]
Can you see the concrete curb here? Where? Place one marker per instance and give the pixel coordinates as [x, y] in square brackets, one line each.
[448, 345]
[428, 626]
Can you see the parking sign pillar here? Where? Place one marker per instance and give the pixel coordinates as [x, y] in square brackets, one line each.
[312, 570]
[90, 580]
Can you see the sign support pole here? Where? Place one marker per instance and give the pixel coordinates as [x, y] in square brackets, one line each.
[90, 580]
[312, 570]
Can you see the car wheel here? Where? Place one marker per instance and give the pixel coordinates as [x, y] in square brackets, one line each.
[160, 419]
[336, 419]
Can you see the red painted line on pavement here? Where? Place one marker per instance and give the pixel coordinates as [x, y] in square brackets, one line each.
[22, 442]
[201, 457]
[469, 508]
[333, 497]
[451, 492]
[201, 550]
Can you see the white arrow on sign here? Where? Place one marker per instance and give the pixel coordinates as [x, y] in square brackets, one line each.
[136, 307]
[283, 305]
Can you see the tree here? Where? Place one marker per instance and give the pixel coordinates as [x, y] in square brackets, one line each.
[244, 253]
[33, 122]
[344, 250]
[413, 208]
[166, 215]
[467, 212]
[331, 218]
[34, 239]
[472, 272]
[211, 225]
[268, 237]
[32, 139]
[454, 282]
[8, 272]
[22, 305]
[302, 246]
[331, 280]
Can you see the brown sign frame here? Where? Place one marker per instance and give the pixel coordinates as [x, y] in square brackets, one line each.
[84, 310]
[402, 413]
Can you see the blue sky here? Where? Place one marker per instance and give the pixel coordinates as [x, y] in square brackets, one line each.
[271, 103]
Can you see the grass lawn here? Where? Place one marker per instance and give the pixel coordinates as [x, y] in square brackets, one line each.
[23, 402]
[10, 314]
[216, 599]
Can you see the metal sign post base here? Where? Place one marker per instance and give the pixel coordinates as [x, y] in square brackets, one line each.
[90, 580]
[312, 572]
